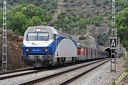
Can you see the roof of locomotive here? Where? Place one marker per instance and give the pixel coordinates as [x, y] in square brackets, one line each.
[42, 27]
[47, 29]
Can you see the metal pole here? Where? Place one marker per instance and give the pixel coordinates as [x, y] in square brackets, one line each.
[4, 39]
[113, 40]
[113, 33]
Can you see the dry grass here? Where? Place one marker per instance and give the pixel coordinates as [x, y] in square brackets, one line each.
[14, 51]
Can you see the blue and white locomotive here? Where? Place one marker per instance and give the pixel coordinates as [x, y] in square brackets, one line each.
[46, 46]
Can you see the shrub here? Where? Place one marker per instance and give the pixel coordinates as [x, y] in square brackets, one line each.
[121, 54]
[102, 39]
[82, 38]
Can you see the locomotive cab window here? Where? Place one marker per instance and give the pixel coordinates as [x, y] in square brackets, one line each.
[43, 36]
[39, 36]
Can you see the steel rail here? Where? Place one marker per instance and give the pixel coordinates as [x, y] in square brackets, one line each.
[21, 74]
[13, 71]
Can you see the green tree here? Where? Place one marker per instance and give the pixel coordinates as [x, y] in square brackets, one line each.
[17, 21]
[32, 10]
[20, 18]
[122, 25]
[32, 22]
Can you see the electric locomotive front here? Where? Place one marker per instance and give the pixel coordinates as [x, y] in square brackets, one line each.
[37, 48]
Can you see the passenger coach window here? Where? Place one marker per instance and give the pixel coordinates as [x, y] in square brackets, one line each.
[40, 36]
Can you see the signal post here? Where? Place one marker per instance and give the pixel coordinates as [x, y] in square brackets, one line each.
[113, 48]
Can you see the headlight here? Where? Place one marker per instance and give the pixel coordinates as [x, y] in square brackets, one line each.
[46, 49]
[27, 50]
[38, 29]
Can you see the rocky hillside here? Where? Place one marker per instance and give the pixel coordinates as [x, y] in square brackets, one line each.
[14, 51]
[87, 7]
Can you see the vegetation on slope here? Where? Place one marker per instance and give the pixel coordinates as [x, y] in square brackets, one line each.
[32, 15]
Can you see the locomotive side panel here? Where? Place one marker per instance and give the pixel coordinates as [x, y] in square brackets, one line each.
[65, 48]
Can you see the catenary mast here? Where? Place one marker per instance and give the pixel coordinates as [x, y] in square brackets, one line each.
[4, 39]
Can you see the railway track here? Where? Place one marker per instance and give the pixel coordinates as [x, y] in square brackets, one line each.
[25, 71]
[53, 77]
[22, 72]
[80, 75]
[18, 73]
[25, 74]
[13, 71]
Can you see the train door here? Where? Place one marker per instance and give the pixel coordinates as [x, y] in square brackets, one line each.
[93, 55]
[81, 53]
[78, 52]
[99, 54]
[86, 53]
[90, 56]
[89, 53]
[96, 53]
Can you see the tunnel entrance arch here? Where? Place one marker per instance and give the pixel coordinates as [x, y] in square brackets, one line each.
[109, 51]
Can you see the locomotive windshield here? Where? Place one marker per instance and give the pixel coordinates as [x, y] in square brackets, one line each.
[37, 36]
